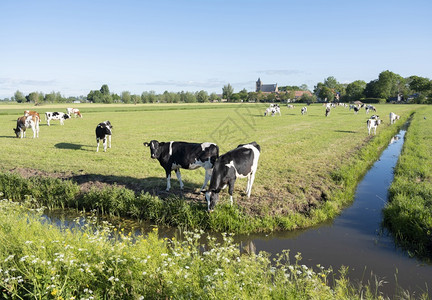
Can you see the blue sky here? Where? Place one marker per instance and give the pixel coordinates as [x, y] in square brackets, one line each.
[73, 47]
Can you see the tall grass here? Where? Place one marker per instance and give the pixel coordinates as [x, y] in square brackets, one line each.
[408, 213]
[40, 261]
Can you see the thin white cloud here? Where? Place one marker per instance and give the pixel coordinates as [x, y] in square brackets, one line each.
[281, 72]
[211, 83]
[26, 82]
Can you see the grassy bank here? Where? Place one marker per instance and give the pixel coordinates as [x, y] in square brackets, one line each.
[409, 211]
[41, 261]
[308, 169]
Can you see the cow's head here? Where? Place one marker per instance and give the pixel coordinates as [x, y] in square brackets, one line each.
[17, 132]
[155, 150]
[66, 116]
[212, 198]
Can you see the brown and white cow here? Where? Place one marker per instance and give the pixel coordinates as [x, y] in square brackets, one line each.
[31, 113]
[74, 111]
[25, 122]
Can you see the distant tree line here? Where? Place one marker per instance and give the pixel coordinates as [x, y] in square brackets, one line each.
[388, 86]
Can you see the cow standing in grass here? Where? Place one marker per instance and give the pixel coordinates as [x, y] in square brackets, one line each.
[56, 116]
[373, 123]
[104, 132]
[175, 155]
[238, 163]
[73, 111]
[393, 117]
[25, 122]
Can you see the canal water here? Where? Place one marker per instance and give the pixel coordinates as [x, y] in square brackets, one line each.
[355, 239]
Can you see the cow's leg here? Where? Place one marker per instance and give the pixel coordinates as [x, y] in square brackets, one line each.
[61, 122]
[231, 189]
[109, 140]
[97, 142]
[105, 143]
[179, 178]
[251, 179]
[168, 177]
[207, 177]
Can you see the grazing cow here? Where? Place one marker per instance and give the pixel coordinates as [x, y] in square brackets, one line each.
[373, 123]
[74, 111]
[327, 112]
[268, 111]
[304, 110]
[175, 155]
[25, 122]
[239, 162]
[356, 109]
[393, 117]
[103, 130]
[56, 116]
[370, 107]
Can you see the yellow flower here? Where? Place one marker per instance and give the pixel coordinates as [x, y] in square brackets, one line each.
[54, 292]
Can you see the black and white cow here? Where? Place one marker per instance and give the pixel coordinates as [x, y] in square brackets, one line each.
[175, 155]
[56, 116]
[303, 110]
[238, 163]
[104, 131]
[373, 123]
[327, 112]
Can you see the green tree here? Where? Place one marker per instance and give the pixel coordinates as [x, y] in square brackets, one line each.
[355, 90]
[19, 97]
[35, 97]
[388, 85]
[419, 84]
[202, 96]
[135, 99]
[189, 97]
[227, 92]
[126, 97]
[213, 97]
[105, 90]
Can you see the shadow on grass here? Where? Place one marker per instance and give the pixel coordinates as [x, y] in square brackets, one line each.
[345, 131]
[71, 146]
[154, 185]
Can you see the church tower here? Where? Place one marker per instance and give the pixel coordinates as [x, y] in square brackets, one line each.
[258, 85]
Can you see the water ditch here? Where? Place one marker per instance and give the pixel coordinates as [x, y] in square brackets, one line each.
[355, 239]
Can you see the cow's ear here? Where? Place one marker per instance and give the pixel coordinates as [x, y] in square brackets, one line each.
[146, 144]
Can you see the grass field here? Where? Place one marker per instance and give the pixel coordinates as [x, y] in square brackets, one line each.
[409, 211]
[302, 166]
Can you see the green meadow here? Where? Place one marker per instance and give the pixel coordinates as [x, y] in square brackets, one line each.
[308, 169]
[409, 211]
